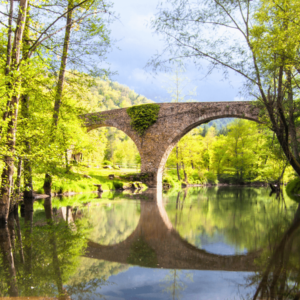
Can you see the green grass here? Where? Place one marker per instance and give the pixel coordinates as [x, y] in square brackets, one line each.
[74, 181]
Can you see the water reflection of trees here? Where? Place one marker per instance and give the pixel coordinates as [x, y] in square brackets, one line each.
[9, 280]
[174, 283]
[242, 216]
[279, 277]
[39, 260]
[252, 219]
[44, 260]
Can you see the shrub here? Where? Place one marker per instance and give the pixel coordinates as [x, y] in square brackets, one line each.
[293, 189]
[118, 185]
[211, 177]
[106, 163]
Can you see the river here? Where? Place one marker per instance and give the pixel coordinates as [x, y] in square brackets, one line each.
[199, 243]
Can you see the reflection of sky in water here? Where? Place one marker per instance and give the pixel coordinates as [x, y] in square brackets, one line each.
[217, 245]
[145, 283]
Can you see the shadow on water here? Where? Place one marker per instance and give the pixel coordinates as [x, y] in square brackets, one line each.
[56, 251]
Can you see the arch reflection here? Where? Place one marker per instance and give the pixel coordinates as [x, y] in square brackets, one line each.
[156, 243]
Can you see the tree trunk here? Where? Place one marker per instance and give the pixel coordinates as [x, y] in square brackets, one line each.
[8, 171]
[47, 184]
[8, 58]
[192, 165]
[184, 173]
[282, 129]
[28, 188]
[60, 85]
[62, 71]
[292, 126]
[9, 36]
[177, 165]
[17, 184]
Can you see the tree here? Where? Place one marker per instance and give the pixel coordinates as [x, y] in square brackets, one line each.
[27, 58]
[255, 39]
[219, 154]
[12, 68]
[176, 91]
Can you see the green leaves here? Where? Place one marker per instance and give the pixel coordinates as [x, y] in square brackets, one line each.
[143, 116]
[245, 152]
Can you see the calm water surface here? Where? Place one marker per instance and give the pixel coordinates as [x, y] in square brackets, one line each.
[205, 243]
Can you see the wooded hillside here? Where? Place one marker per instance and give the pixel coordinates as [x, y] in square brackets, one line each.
[113, 95]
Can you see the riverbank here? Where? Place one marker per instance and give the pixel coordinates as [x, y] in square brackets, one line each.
[87, 180]
[208, 179]
[254, 184]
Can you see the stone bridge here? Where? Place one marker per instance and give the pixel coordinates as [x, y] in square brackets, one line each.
[169, 249]
[174, 121]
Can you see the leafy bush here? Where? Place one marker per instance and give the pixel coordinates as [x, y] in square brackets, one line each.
[211, 177]
[227, 178]
[107, 163]
[118, 185]
[293, 189]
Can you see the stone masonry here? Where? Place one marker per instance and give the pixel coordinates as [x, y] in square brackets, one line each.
[174, 121]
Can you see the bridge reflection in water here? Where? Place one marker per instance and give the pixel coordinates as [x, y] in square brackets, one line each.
[155, 243]
[42, 251]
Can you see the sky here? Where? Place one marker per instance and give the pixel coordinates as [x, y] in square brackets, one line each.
[137, 43]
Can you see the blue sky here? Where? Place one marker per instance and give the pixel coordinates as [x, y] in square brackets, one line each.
[138, 44]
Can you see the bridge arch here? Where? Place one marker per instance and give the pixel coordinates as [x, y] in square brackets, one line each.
[174, 121]
[129, 134]
[116, 126]
[179, 135]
